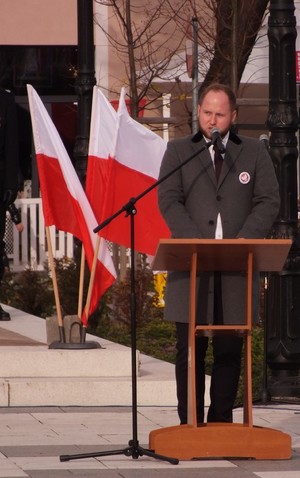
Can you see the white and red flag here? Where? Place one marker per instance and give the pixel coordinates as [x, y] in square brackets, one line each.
[124, 161]
[102, 136]
[64, 201]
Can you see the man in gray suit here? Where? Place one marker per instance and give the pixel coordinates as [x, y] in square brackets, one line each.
[242, 202]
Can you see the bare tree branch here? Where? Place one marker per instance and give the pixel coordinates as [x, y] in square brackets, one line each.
[151, 40]
[237, 26]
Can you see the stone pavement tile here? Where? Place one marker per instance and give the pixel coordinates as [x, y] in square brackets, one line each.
[160, 416]
[72, 474]
[48, 429]
[89, 410]
[18, 420]
[97, 428]
[53, 463]
[278, 419]
[8, 469]
[184, 473]
[99, 423]
[282, 417]
[51, 439]
[61, 474]
[146, 463]
[28, 410]
[38, 450]
[9, 473]
[280, 466]
[278, 474]
[75, 473]
[10, 338]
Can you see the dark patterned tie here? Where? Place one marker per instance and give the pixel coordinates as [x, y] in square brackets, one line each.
[218, 159]
[218, 310]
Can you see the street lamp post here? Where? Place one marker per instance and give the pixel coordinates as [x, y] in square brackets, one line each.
[283, 297]
[84, 83]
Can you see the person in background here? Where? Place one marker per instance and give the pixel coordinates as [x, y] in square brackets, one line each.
[16, 216]
[230, 191]
[9, 165]
[16, 219]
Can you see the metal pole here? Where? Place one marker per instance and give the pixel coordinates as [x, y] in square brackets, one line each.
[84, 84]
[283, 297]
[195, 122]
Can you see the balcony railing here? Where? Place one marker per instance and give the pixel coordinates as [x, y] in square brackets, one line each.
[28, 249]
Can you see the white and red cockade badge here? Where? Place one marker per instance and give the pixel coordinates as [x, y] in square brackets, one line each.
[244, 177]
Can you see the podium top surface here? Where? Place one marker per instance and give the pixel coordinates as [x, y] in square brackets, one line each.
[221, 254]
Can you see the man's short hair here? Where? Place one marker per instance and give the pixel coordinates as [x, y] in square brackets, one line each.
[219, 87]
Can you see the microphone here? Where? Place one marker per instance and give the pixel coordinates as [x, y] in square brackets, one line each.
[264, 138]
[217, 140]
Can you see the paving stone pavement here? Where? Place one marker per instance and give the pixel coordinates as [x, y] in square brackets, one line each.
[33, 439]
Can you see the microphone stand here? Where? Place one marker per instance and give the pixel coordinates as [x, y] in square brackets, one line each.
[133, 449]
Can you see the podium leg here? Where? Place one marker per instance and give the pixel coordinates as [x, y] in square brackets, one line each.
[192, 406]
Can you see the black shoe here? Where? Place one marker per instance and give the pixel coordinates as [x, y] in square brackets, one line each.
[4, 315]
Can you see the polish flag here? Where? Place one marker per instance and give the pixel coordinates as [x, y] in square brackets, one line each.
[65, 204]
[102, 136]
[123, 168]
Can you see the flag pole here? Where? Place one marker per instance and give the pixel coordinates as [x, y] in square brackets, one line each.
[55, 287]
[62, 344]
[81, 283]
[91, 285]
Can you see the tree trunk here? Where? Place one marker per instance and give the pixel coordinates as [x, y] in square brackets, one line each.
[250, 14]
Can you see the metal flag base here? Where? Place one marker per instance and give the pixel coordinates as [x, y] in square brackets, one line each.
[79, 345]
[75, 346]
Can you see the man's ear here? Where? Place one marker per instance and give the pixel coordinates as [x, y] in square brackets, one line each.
[234, 116]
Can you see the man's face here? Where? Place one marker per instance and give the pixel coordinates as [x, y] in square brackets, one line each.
[215, 112]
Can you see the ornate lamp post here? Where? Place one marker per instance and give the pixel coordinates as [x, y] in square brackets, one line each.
[84, 84]
[283, 295]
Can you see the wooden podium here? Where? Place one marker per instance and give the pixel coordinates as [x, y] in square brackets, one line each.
[207, 440]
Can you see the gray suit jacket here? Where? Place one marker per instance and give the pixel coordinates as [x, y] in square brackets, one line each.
[247, 198]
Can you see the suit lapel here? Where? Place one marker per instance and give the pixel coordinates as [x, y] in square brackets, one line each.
[205, 158]
[233, 149]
